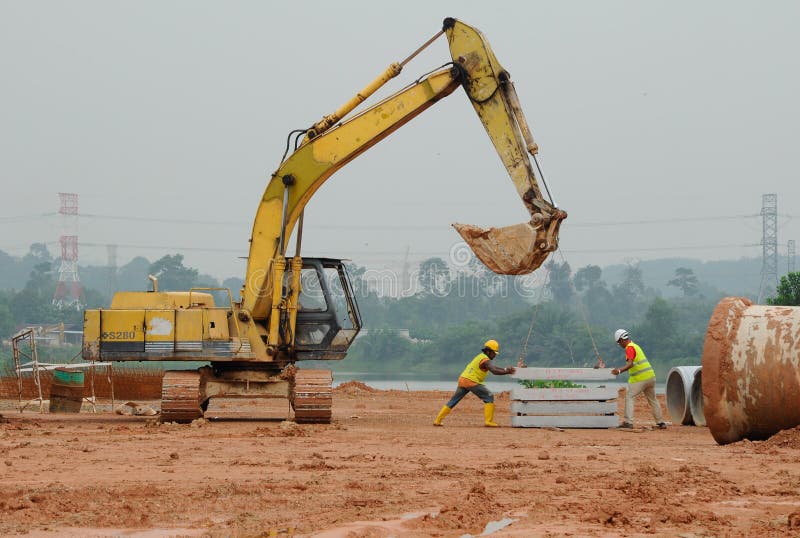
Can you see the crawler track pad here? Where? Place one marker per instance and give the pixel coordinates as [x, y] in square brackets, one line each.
[312, 397]
[180, 396]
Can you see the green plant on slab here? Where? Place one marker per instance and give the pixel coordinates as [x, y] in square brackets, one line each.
[549, 384]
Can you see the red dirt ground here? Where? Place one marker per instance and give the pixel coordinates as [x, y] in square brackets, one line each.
[381, 469]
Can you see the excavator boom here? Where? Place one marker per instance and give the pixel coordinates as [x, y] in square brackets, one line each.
[317, 159]
[333, 142]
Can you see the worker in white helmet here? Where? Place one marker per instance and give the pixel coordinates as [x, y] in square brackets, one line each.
[641, 379]
[471, 380]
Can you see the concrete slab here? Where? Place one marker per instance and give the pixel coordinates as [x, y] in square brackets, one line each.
[566, 374]
[597, 393]
[564, 408]
[565, 421]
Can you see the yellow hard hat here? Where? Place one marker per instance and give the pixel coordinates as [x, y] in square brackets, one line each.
[493, 345]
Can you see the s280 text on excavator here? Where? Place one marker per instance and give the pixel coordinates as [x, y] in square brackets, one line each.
[300, 308]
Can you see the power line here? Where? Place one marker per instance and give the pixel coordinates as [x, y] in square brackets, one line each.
[20, 218]
[648, 249]
[660, 221]
[163, 247]
[572, 223]
[414, 227]
[164, 220]
[245, 223]
[401, 253]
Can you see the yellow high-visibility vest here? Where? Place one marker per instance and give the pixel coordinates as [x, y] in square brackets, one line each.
[473, 370]
[641, 369]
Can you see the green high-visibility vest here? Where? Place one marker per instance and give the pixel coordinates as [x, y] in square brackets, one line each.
[641, 369]
[473, 370]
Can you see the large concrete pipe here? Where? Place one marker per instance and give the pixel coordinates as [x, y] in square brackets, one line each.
[751, 370]
[678, 389]
[696, 399]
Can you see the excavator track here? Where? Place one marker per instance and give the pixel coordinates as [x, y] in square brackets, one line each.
[180, 396]
[312, 396]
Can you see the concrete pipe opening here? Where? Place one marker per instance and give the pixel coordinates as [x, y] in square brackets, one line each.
[696, 399]
[678, 389]
[751, 370]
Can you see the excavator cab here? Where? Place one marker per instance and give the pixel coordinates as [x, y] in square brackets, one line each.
[328, 318]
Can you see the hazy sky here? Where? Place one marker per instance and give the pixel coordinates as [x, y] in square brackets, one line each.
[171, 116]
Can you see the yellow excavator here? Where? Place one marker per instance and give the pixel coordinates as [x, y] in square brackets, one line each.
[300, 308]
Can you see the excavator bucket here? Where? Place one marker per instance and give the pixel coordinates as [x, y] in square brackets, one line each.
[513, 250]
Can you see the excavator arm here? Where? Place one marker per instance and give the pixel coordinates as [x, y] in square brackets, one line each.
[333, 142]
[521, 248]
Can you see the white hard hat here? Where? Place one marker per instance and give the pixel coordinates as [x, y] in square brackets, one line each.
[620, 334]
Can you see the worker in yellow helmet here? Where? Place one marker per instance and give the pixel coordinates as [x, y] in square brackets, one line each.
[471, 380]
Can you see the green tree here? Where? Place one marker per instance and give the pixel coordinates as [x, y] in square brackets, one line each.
[93, 299]
[454, 346]
[658, 330]
[382, 349]
[6, 319]
[558, 336]
[172, 274]
[630, 297]
[11, 274]
[434, 277]
[234, 284]
[633, 280]
[133, 275]
[34, 303]
[686, 281]
[588, 277]
[357, 275]
[559, 282]
[788, 291]
[479, 277]
[38, 253]
[596, 300]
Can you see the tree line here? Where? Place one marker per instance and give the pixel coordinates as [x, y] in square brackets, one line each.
[560, 318]
[31, 303]
[567, 323]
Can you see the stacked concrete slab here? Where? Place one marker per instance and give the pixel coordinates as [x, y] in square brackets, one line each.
[591, 407]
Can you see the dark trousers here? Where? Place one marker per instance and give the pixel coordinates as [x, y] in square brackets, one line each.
[478, 390]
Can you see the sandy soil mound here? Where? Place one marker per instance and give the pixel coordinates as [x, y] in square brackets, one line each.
[469, 511]
[783, 439]
[353, 388]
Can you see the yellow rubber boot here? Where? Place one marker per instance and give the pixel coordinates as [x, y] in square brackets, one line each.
[488, 415]
[440, 417]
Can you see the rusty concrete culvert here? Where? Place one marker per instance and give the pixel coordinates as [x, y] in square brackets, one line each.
[751, 370]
